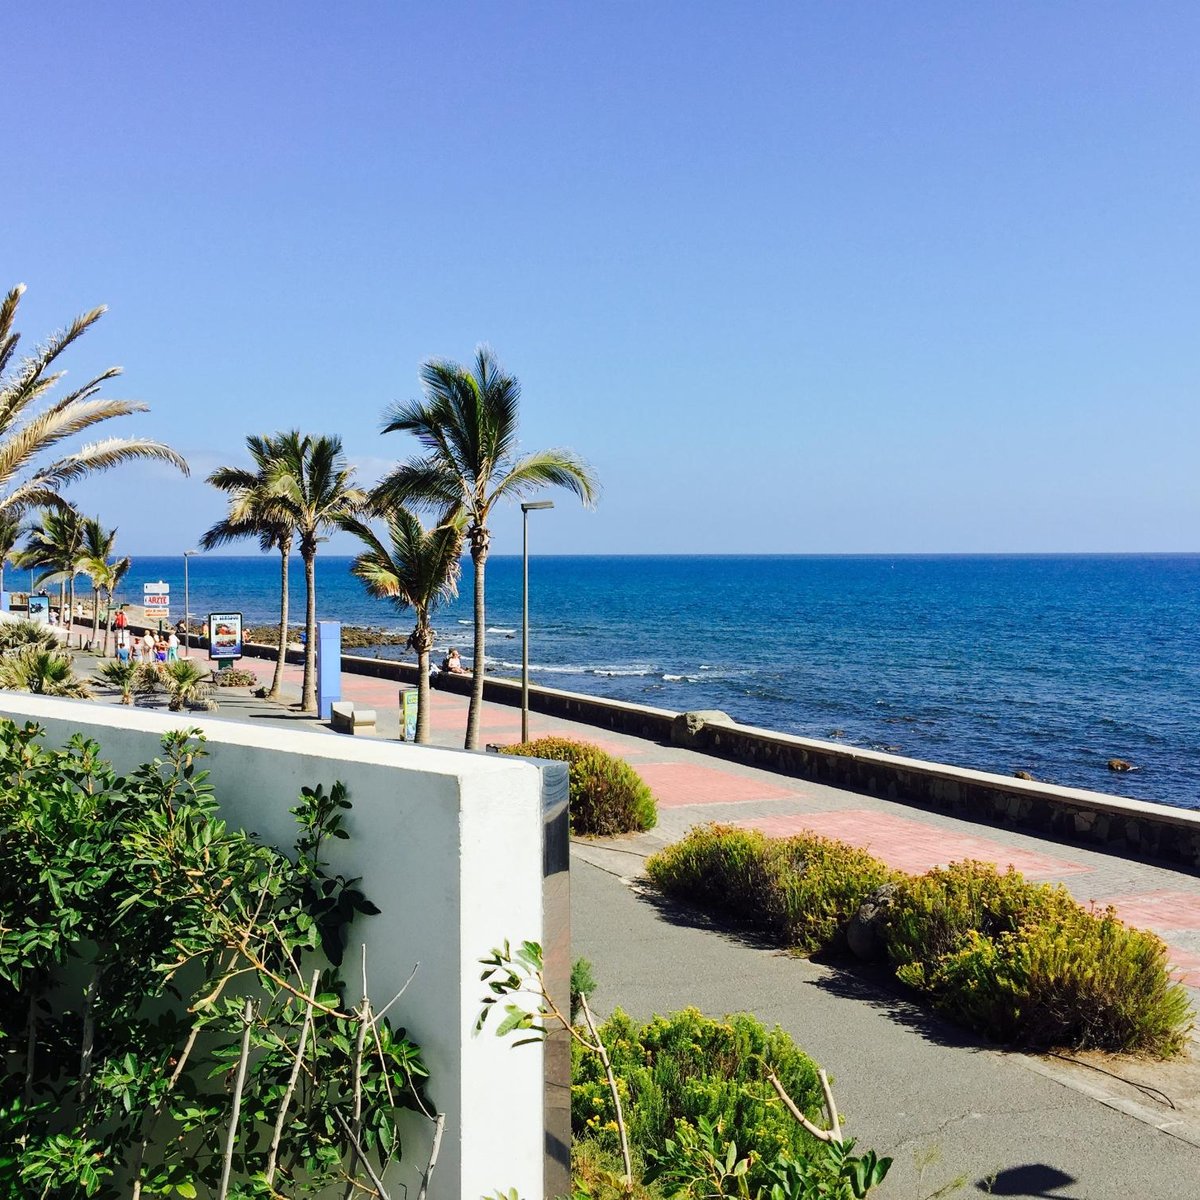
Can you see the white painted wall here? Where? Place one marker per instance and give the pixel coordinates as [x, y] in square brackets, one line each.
[449, 846]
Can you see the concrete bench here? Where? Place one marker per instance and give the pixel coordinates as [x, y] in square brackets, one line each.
[345, 718]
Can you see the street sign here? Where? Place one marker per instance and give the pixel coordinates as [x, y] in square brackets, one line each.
[156, 599]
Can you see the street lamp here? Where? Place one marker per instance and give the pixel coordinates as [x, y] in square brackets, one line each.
[526, 509]
[187, 612]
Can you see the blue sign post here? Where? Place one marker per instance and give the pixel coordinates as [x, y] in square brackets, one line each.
[329, 666]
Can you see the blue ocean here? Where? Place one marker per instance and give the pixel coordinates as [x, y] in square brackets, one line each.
[1046, 664]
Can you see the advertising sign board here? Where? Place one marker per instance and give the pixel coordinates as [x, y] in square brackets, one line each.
[408, 700]
[224, 635]
[39, 610]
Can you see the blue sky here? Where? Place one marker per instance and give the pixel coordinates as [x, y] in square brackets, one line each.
[795, 278]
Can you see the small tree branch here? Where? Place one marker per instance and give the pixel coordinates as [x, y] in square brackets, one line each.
[235, 1114]
[438, 1127]
[820, 1134]
[835, 1126]
[602, 1051]
[285, 1103]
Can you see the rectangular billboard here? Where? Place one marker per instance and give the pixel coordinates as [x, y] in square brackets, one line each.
[225, 635]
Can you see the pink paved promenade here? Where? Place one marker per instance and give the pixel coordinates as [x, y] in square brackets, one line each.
[693, 788]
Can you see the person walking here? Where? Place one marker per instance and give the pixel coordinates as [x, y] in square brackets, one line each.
[172, 648]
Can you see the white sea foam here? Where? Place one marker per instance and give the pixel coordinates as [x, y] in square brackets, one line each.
[497, 629]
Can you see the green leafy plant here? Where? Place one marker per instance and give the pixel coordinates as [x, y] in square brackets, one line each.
[42, 672]
[1026, 964]
[187, 685]
[172, 1022]
[130, 679]
[607, 796]
[802, 889]
[16, 634]
[670, 1092]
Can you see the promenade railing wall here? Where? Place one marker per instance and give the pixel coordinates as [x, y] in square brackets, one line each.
[452, 848]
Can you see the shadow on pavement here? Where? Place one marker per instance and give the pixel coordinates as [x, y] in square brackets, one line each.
[1037, 1181]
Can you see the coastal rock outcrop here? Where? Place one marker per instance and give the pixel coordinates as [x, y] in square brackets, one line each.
[1119, 764]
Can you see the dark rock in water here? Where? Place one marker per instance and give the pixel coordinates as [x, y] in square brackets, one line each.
[1022, 775]
[1119, 764]
[865, 933]
[837, 733]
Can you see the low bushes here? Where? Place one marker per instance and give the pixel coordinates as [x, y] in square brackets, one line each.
[1025, 964]
[690, 1068]
[1021, 963]
[802, 890]
[233, 677]
[607, 795]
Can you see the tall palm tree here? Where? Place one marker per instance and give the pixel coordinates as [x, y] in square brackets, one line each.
[467, 423]
[313, 487]
[253, 513]
[97, 549]
[55, 546]
[28, 430]
[112, 579]
[417, 570]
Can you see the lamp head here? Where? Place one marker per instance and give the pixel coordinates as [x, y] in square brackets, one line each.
[532, 505]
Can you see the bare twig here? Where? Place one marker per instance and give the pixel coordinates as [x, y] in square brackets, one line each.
[363, 1024]
[438, 1128]
[383, 1011]
[362, 1156]
[285, 1103]
[235, 1114]
[602, 1051]
[824, 1135]
[835, 1126]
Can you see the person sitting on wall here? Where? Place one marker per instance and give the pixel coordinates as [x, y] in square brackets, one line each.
[452, 664]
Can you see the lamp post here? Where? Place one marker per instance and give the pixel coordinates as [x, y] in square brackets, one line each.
[187, 612]
[526, 509]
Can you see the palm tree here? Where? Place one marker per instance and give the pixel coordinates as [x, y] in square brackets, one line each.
[419, 570]
[253, 514]
[312, 488]
[187, 685]
[96, 550]
[10, 532]
[130, 679]
[110, 580]
[55, 544]
[467, 423]
[27, 434]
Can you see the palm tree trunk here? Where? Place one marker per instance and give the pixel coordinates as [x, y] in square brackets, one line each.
[422, 698]
[62, 605]
[308, 694]
[95, 616]
[107, 620]
[71, 607]
[479, 558]
[285, 549]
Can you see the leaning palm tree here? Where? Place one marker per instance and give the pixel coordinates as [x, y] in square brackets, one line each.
[418, 570]
[253, 514]
[312, 488]
[43, 672]
[29, 429]
[467, 423]
[55, 546]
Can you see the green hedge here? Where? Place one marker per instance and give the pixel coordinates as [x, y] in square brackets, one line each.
[607, 795]
[802, 890]
[1021, 963]
[1025, 964]
[686, 1066]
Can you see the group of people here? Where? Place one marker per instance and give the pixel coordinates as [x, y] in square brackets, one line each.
[148, 648]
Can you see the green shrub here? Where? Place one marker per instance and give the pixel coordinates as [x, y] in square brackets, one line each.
[685, 1067]
[1025, 964]
[802, 890]
[607, 795]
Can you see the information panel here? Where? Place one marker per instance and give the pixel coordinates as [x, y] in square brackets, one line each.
[156, 600]
[224, 635]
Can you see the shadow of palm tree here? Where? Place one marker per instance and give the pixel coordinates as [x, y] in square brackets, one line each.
[1031, 1181]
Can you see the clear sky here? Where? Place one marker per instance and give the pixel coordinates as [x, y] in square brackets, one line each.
[796, 277]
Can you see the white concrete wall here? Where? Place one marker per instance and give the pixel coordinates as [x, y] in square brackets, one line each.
[449, 846]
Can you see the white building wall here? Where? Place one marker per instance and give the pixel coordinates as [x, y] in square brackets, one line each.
[449, 846]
